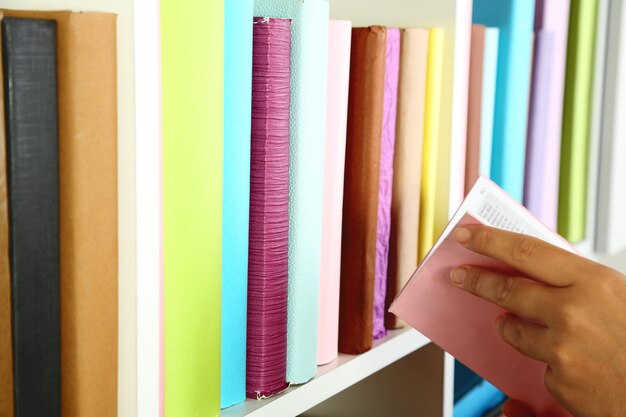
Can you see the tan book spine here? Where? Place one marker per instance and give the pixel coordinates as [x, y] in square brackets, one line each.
[405, 203]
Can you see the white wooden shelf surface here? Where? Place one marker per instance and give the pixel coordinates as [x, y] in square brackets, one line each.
[333, 378]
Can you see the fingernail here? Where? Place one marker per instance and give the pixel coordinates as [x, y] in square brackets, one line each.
[458, 275]
[462, 234]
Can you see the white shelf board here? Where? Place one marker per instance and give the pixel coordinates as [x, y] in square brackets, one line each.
[333, 378]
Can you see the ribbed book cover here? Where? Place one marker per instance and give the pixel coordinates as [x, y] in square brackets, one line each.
[30, 68]
[268, 268]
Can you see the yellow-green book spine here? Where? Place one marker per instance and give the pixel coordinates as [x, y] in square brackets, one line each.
[192, 36]
[577, 120]
[432, 117]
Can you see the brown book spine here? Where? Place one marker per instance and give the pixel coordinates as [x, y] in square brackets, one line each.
[474, 104]
[360, 202]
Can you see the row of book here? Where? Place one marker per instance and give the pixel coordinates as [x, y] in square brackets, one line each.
[302, 165]
[529, 71]
[58, 214]
[197, 81]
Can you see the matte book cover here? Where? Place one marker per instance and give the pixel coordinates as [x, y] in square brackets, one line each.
[237, 119]
[431, 150]
[30, 67]
[577, 108]
[192, 59]
[514, 19]
[474, 106]
[339, 36]
[6, 348]
[407, 168]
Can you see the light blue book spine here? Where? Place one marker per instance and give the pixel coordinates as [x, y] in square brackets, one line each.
[309, 57]
[237, 120]
[490, 66]
[480, 400]
[515, 19]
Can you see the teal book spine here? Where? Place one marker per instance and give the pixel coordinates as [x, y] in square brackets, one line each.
[236, 203]
[515, 20]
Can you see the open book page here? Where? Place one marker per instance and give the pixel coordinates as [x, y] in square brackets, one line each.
[494, 207]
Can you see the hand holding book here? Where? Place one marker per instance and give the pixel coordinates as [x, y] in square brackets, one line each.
[563, 310]
[562, 313]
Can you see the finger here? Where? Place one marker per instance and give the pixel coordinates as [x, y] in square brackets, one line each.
[517, 295]
[530, 339]
[514, 408]
[535, 258]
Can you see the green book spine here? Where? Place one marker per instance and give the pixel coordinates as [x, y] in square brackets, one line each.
[192, 92]
[577, 108]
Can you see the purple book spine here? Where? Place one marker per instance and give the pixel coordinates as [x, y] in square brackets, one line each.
[392, 68]
[537, 192]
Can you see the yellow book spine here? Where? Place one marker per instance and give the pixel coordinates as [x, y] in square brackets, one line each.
[432, 118]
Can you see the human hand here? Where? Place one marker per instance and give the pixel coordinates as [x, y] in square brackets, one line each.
[580, 304]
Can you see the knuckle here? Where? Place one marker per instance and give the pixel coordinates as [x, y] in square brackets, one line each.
[484, 239]
[562, 357]
[512, 333]
[504, 291]
[523, 250]
[605, 287]
[567, 317]
[474, 280]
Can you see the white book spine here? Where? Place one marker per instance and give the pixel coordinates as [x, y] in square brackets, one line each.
[148, 177]
[595, 137]
[611, 222]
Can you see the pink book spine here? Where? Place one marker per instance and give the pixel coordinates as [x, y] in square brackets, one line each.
[339, 37]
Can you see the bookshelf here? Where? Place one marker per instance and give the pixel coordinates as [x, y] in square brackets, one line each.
[333, 378]
[138, 111]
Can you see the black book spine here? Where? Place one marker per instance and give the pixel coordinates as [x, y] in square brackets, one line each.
[30, 68]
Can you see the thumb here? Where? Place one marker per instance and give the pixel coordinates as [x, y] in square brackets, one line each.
[516, 409]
